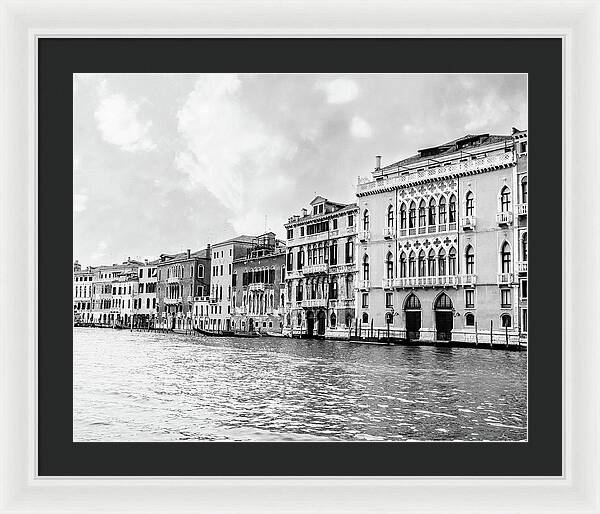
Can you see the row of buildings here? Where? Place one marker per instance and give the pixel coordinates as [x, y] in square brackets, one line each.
[435, 246]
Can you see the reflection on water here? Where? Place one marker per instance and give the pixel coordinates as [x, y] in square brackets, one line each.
[138, 386]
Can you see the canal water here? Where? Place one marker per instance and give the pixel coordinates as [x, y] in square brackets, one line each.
[139, 386]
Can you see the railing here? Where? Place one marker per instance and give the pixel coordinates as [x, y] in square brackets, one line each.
[364, 284]
[389, 232]
[315, 302]
[342, 268]
[468, 280]
[387, 283]
[173, 280]
[429, 281]
[351, 230]
[172, 301]
[502, 159]
[364, 235]
[522, 266]
[504, 218]
[505, 278]
[334, 232]
[468, 222]
[294, 274]
[256, 286]
[522, 209]
[315, 268]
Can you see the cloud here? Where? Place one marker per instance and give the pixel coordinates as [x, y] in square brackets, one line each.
[359, 127]
[117, 120]
[79, 202]
[339, 91]
[100, 254]
[232, 152]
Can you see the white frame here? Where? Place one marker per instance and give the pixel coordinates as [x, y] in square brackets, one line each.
[21, 22]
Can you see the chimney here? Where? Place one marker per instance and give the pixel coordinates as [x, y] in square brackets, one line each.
[304, 212]
[189, 253]
[515, 130]
[76, 266]
[146, 261]
[378, 162]
[208, 251]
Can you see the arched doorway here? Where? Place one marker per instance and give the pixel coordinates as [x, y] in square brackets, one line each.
[250, 325]
[321, 323]
[412, 312]
[443, 317]
[310, 323]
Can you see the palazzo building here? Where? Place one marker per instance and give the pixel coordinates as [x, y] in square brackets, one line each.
[180, 278]
[320, 270]
[258, 285]
[442, 241]
[146, 305]
[82, 293]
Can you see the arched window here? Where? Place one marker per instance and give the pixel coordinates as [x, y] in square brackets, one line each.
[366, 220]
[524, 247]
[452, 210]
[348, 320]
[389, 266]
[442, 263]
[412, 215]
[506, 320]
[432, 211]
[469, 319]
[442, 211]
[421, 263]
[431, 263]
[366, 267]
[452, 262]
[470, 260]
[365, 317]
[403, 265]
[422, 213]
[505, 260]
[443, 302]
[332, 320]
[412, 303]
[390, 216]
[412, 267]
[524, 190]
[505, 199]
[200, 271]
[299, 320]
[403, 216]
[469, 204]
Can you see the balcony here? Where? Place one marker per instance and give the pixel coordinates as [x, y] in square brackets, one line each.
[522, 209]
[315, 268]
[315, 302]
[173, 280]
[522, 266]
[351, 230]
[334, 233]
[364, 236]
[468, 280]
[387, 283]
[389, 233]
[172, 301]
[505, 279]
[468, 222]
[256, 286]
[435, 281]
[342, 268]
[504, 218]
[364, 285]
[294, 274]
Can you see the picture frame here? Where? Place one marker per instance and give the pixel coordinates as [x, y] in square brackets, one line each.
[21, 489]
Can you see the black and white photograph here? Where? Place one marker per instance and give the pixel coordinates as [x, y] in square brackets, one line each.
[300, 257]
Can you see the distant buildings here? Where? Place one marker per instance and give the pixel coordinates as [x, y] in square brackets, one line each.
[259, 286]
[434, 249]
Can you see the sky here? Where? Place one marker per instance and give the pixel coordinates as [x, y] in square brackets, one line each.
[163, 163]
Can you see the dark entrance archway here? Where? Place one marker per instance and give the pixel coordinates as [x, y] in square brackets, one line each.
[250, 325]
[310, 323]
[412, 312]
[321, 323]
[444, 318]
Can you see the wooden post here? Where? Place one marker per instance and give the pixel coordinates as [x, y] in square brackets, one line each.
[506, 332]
[360, 328]
[491, 328]
[371, 328]
[476, 337]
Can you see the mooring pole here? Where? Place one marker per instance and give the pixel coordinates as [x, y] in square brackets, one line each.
[371, 328]
[491, 328]
[476, 337]
[506, 332]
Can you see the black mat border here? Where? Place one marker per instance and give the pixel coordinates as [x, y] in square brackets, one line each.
[58, 58]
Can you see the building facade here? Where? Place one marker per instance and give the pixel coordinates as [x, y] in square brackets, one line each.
[321, 269]
[146, 304]
[180, 278]
[438, 242]
[258, 285]
[221, 276]
[82, 293]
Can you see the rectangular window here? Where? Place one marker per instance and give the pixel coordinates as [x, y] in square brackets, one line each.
[505, 298]
[335, 224]
[350, 220]
[389, 302]
[234, 279]
[524, 288]
[290, 233]
[230, 269]
[221, 270]
[301, 231]
[524, 320]
[365, 300]
[469, 298]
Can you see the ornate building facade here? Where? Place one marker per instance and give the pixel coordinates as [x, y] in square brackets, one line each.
[259, 287]
[438, 241]
[82, 293]
[320, 270]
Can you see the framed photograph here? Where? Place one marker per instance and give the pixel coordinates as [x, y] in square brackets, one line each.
[287, 268]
